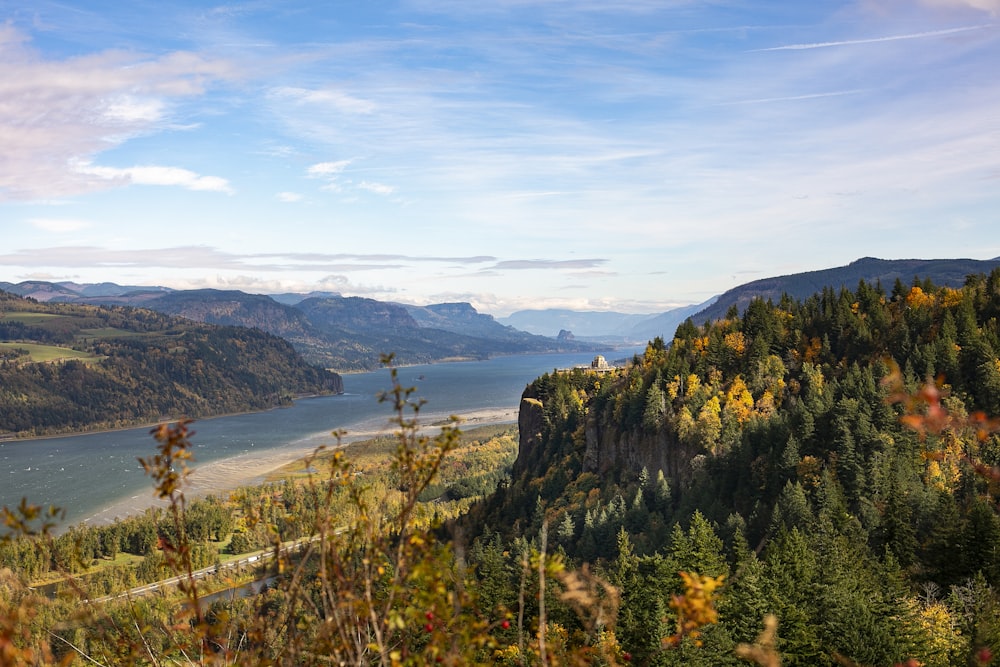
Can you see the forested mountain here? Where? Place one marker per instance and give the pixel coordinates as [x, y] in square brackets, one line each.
[796, 460]
[343, 333]
[884, 272]
[765, 447]
[69, 367]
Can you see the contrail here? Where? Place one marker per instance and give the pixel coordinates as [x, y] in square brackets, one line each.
[792, 98]
[891, 38]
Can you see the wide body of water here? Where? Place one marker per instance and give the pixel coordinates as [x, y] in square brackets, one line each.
[83, 474]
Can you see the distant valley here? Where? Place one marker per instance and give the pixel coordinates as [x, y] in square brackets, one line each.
[77, 367]
[350, 333]
[329, 330]
[614, 327]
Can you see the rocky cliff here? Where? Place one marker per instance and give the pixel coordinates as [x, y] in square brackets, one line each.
[587, 422]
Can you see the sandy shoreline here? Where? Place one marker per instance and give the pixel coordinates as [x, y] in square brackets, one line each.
[251, 468]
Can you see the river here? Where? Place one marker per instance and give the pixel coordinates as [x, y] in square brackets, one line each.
[87, 475]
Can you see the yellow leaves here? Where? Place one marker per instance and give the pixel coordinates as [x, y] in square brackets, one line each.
[701, 345]
[736, 342]
[765, 405]
[674, 387]
[712, 408]
[917, 298]
[941, 633]
[739, 400]
[950, 297]
[934, 477]
[695, 607]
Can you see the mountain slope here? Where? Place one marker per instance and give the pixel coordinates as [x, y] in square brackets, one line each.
[71, 367]
[943, 272]
[791, 451]
[344, 333]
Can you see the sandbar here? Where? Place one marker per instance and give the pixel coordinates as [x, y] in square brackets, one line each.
[250, 468]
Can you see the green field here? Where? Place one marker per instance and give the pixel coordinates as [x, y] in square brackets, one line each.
[29, 318]
[108, 332]
[42, 353]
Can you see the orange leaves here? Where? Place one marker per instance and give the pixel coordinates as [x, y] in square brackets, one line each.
[695, 607]
[917, 298]
[929, 412]
[926, 412]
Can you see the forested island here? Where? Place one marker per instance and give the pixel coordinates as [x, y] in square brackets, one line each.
[804, 482]
[67, 368]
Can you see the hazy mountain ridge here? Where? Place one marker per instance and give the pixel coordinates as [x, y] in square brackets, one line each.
[604, 325]
[350, 333]
[943, 272]
[345, 333]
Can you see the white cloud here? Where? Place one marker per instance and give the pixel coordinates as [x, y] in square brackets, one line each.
[289, 197]
[159, 175]
[324, 169]
[58, 113]
[329, 171]
[377, 188]
[340, 101]
[59, 225]
[128, 109]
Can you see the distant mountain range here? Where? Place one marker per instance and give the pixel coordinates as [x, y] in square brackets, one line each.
[602, 326]
[626, 327]
[342, 333]
[350, 333]
[941, 272]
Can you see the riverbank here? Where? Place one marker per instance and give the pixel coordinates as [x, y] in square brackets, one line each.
[99, 429]
[250, 468]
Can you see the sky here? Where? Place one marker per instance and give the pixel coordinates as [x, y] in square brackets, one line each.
[625, 155]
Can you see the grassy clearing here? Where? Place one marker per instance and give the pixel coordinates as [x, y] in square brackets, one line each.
[108, 332]
[30, 318]
[497, 441]
[51, 353]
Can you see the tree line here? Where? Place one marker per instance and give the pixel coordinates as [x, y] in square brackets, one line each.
[149, 366]
[766, 448]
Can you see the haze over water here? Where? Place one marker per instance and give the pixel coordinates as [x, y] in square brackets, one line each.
[85, 473]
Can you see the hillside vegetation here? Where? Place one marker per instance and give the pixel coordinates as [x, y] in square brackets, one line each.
[805, 482]
[764, 448]
[74, 367]
[336, 332]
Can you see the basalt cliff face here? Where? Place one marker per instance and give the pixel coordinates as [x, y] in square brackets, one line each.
[600, 446]
[610, 452]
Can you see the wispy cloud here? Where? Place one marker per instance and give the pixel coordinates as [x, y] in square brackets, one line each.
[875, 40]
[59, 225]
[207, 257]
[59, 112]
[338, 100]
[326, 169]
[377, 188]
[158, 175]
[794, 98]
[548, 264]
[288, 197]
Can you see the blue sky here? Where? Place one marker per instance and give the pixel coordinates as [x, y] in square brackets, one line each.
[614, 155]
